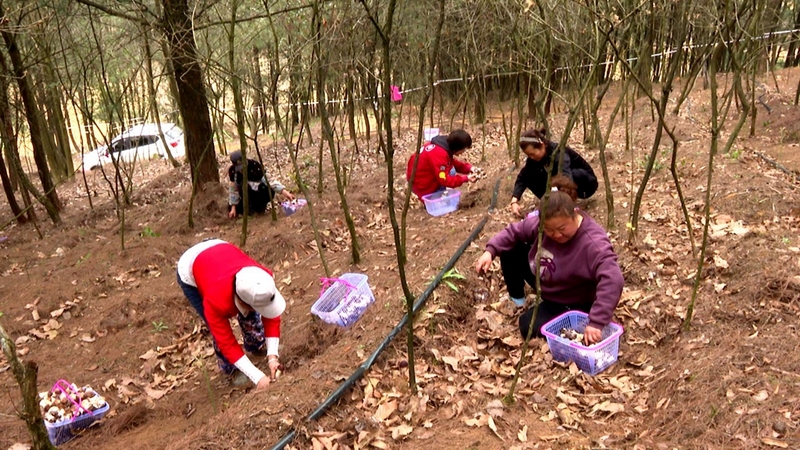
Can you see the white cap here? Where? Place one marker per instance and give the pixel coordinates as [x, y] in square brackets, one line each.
[257, 288]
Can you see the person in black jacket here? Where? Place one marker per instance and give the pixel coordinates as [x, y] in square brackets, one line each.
[533, 175]
[260, 191]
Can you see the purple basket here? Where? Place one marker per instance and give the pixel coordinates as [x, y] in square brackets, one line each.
[592, 360]
[64, 430]
[442, 202]
[290, 207]
[345, 300]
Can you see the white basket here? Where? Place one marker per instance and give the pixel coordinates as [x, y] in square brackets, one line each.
[442, 202]
[430, 133]
[345, 300]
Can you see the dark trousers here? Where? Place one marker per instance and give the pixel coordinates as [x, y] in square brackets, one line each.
[251, 326]
[516, 272]
[586, 181]
[257, 199]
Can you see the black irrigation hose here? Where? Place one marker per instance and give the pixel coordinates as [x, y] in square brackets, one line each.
[337, 394]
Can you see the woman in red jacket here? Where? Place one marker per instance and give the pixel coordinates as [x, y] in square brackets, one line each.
[222, 282]
[438, 168]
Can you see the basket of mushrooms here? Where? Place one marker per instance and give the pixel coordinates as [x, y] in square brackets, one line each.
[67, 409]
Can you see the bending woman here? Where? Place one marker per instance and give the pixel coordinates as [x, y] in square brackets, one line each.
[533, 176]
[578, 267]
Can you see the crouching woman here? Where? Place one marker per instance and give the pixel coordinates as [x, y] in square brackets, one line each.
[577, 264]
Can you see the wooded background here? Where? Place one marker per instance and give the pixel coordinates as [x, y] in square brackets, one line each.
[75, 73]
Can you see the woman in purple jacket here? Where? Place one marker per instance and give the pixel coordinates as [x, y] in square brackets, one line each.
[578, 267]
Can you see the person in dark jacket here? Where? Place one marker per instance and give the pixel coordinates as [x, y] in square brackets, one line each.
[539, 151]
[438, 168]
[578, 268]
[260, 192]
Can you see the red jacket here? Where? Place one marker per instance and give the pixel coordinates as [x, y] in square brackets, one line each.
[215, 270]
[434, 168]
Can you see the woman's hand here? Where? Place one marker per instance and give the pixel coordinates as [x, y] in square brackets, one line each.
[287, 195]
[592, 335]
[484, 263]
[274, 366]
[232, 213]
[262, 384]
[515, 209]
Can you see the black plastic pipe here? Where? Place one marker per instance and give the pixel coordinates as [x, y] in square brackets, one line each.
[337, 394]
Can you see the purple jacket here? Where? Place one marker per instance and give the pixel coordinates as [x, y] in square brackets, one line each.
[583, 270]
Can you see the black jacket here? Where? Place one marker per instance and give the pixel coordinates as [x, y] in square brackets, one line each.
[254, 172]
[533, 175]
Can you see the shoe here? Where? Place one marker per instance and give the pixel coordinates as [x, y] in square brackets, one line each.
[520, 302]
[239, 379]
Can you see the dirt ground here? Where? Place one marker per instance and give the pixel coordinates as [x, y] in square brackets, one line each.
[87, 310]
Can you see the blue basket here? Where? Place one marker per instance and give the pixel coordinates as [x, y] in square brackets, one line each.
[592, 360]
[64, 430]
[442, 202]
[345, 300]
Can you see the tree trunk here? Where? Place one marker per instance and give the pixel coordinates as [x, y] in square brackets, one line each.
[152, 100]
[191, 92]
[238, 105]
[168, 68]
[7, 136]
[33, 115]
[59, 125]
[12, 200]
[480, 101]
[791, 53]
[25, 375]
[258, 86]
[644, 67]
[350, 108]
[57, 134]
[40, 99]
[327, 135]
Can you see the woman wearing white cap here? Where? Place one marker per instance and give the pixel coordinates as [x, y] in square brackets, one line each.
[221, 282]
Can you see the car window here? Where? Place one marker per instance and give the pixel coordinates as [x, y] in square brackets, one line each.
[121, 145]
[173, 133]
[147, 140]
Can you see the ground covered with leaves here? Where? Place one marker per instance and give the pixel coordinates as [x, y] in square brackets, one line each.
[87, 310]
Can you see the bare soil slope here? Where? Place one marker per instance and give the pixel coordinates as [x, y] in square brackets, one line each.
[85, 309]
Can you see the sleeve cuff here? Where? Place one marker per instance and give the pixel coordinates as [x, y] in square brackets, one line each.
[248, 368]
[272, 345]
[597, 325]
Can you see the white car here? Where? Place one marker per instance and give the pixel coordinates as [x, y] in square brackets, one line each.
[141, 142]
